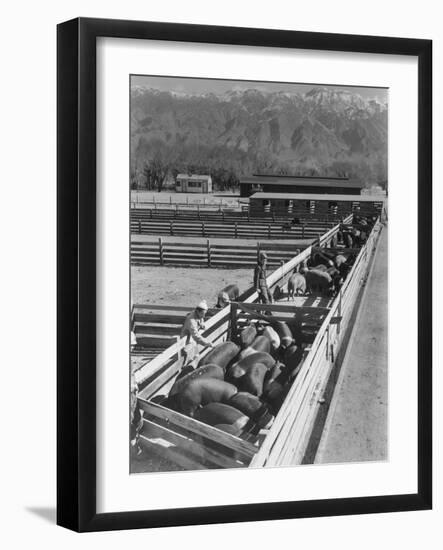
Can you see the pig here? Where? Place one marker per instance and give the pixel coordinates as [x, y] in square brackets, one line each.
[239, 369]
[201, 392]
[221, 355]
[337, 279]
[318, 281]
[340, 259]
[252, 381]
[292, 360]
[229, 294]
[221, 414]
[284, 333]
[320, 258]
[274, 338]
[275, 395]
[296, 285]
[251, 406]
[348, 239]
[207, 371]
[273, 374]
[247, 336]
[261, 343]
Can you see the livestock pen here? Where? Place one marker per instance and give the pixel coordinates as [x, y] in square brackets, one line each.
[191, 444]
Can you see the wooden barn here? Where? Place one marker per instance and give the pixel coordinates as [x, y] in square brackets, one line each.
[298, 184]
[194, 183]
[282, 204]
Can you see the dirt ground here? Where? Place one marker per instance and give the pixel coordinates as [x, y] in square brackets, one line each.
[184, 286]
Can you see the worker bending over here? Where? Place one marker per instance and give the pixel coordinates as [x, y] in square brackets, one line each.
[192, 328]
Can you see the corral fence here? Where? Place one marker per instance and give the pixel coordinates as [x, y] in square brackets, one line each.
[225, 215]
[235, 230]
[217, 324]
[289, 437]
[192, 443]
[208, 254]
[210, 202]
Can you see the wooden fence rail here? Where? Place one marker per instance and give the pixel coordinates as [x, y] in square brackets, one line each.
[209, 202]
[207, 254]
[197, 213]
[231, 230]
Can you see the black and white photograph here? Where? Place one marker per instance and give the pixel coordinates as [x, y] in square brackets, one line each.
[258, 234]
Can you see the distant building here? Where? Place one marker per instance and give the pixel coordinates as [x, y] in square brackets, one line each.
[185, 183]
[284, 204]
[298, 184]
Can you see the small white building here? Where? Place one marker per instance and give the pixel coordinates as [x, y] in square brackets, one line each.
[194, 183]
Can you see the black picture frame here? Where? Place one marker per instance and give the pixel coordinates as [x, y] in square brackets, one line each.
[76, 280]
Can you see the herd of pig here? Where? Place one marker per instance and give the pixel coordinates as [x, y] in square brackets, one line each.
[324, 272]
[239, 387]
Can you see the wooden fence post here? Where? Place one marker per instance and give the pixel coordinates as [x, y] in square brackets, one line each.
[269, 230]
[208, 248]
[171, 228]
[223, 215]
[150, 213]
[235, 234]
[249, 216]
[203, 229]
[258, 251]
[160, 248]
[198, 211]
[303, 231]
[139, 227]
[234, 329]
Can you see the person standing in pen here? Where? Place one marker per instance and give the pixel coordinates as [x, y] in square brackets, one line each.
[260, 284]
[192, 328]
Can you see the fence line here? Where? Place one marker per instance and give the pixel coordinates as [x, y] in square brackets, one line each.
[229, 215]
[233, 230]
[207, 254]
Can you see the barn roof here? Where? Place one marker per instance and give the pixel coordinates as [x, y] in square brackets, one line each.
[294, 181]
[322, 197]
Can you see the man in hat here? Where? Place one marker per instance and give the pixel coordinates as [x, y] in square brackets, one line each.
[192, 328]
[260, 284]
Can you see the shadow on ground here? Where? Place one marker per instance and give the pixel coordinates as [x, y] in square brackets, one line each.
[48, 514]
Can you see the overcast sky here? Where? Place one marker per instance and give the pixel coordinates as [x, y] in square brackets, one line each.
[202, 85]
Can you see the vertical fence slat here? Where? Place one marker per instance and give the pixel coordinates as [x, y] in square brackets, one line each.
[160, 249]
[208, 249]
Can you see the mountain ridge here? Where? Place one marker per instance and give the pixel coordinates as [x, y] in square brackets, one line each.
[323, 132]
